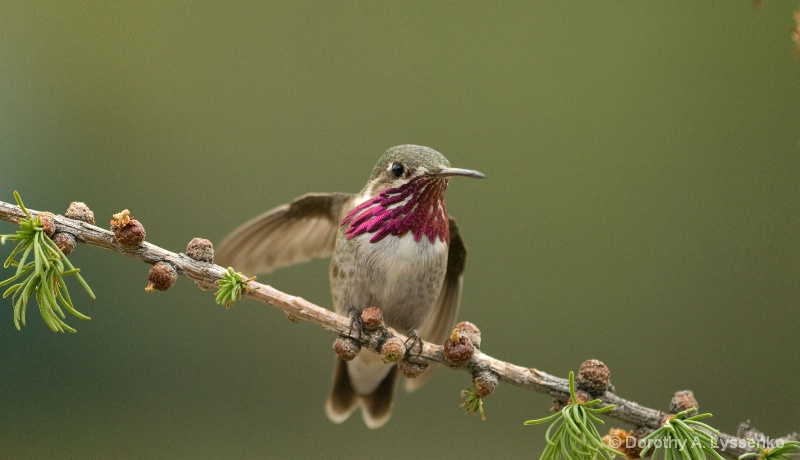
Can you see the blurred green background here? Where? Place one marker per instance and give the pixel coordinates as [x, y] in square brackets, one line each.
[641, 207]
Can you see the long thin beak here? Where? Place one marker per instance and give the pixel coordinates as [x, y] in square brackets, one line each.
[446, 172]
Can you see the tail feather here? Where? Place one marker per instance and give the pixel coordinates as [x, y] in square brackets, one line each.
[376, 407]
[343, 399]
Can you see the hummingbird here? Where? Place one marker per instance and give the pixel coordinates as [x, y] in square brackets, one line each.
[392, 246]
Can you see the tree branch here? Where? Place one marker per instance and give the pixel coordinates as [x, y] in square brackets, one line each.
[206, 275]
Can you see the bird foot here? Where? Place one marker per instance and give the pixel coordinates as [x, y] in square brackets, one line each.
[355, 323]
[412, 341]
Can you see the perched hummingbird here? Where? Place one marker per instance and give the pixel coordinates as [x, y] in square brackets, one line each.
[392, 246]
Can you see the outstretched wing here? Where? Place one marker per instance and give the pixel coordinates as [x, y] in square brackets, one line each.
[439, 326]
[289, 234]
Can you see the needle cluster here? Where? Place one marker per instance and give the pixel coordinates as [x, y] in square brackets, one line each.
[682, 437]
[231, 286]
[574, 435]
[788, 450]
[40, 270]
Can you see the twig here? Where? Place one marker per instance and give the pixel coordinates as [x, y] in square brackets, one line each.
[206, 275]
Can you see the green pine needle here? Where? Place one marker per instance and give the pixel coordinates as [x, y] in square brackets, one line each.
[473, 403]
[572, 434]
[231, 286]
[683, 437]
[42, 277]
[787, 450]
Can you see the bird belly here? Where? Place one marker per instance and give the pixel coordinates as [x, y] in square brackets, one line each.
[397, 274]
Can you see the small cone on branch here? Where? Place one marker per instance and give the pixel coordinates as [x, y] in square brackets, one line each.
[128, 231]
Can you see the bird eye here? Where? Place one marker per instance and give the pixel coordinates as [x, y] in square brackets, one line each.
[397, 170]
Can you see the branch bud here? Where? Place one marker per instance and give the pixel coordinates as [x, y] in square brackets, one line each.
[128, 232]
[162, 276]
[458, 349]
[485, 382]
[593, 377]
[582, 397]
[372, 318]
[615, 439]
[471, 331]
[65, 241]
[346, 348]
[48, 223]
[683, 400]
[79, 211]
[626, 442]
[200, 249]
[393, 350]
[411, 370]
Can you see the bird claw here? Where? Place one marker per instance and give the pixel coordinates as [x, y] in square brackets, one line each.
[415, 341]
[355, 323]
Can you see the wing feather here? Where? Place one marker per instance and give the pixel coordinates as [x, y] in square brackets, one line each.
[291, 233]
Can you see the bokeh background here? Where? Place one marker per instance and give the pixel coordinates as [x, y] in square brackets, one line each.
[640, 207]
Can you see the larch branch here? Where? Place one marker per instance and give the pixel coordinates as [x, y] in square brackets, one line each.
[206, 275]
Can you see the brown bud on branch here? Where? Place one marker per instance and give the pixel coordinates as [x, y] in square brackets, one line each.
[200, 249]
[458, 349]
[593, 377]
[683, 400]
[346, 348]
[65, 242]
[162, 276]
[128, 232]
[471, 331]
[79, 211]
[48, 223]
[411, 370]
[393, 350]
[372, 318]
